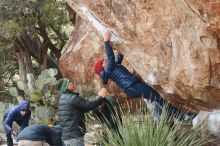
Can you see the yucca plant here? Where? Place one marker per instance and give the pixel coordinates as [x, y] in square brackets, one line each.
[139, 129]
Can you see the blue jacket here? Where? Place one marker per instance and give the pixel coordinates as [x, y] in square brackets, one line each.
[13, 114]
[115, 71]
[39, 132]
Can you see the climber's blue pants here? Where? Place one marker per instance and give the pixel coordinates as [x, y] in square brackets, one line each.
[154, 101]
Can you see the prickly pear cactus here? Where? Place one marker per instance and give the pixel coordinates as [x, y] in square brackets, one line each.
[41, 112]
[2, 110]
[51, 111]
[41, 89]
[13, 91]
[42, 115]
[2, 107]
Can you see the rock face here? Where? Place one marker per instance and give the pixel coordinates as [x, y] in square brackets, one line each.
[174, 45]
[209, 124]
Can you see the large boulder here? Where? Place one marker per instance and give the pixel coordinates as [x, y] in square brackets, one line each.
[77, 63]
[209, 124]
[174, 45]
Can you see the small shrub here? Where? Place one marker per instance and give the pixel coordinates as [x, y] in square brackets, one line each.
[145, 132]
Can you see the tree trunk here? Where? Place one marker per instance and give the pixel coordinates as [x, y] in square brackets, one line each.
[52, 63]
[23, 58]
[25, 48]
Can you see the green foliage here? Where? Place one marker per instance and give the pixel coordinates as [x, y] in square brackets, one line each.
[25, 17]
[13, 91]
[41, 112]
[2, 107]
[40, 90]
[136, 131]
[42, 115]
[2, 110]
[8, 70]
[50, 13]
[11, 28]
[51, 111]
[20, 16]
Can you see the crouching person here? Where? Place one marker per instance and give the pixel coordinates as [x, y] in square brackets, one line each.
[19, 114]
[39, 135]
[71, 113]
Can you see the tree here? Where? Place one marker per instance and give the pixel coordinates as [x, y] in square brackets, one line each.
[35, 31]
[8, 67]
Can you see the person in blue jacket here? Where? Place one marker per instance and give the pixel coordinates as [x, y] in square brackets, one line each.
[20, 114]
[131, 84]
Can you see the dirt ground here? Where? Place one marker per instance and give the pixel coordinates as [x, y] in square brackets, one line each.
[3, 142]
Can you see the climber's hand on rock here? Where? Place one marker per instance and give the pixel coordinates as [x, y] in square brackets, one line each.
[115, 51]
[103, 92]
[107, 36]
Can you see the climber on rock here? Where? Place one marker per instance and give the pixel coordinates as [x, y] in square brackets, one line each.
[111, 68]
